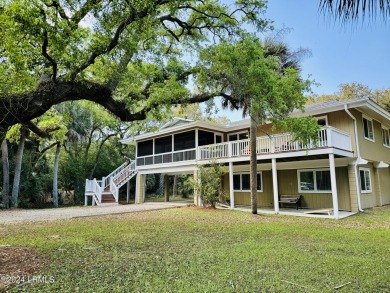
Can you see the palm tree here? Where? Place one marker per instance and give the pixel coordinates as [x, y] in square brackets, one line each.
[287, 59]
[353, 9]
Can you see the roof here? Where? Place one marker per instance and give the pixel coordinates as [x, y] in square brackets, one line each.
[176, 121]
[363, 104]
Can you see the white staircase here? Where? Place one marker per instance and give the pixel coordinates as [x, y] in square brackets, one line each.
[106, 191]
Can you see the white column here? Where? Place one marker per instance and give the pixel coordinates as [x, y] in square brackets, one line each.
[231, 187]
[334, 186]
[137, 185]
[275, 186]
[144, 189]
[128, 191]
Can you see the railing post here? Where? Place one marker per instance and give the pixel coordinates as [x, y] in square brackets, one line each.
[230, 149]
[272, 139]
[329, 136]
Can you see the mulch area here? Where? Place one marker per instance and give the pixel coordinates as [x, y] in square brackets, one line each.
[18, 264]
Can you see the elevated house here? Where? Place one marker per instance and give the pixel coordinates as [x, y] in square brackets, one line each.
[345, 171]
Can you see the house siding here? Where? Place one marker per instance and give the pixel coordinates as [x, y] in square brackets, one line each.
[264, 198]
[381, 152]
[369, 200]
[288, 184]
[384, 176]
[341, 120]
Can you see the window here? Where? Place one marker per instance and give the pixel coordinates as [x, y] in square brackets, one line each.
[184, 140]
[238, 136]
[314, 181]
[163, 145]
[205, 137]
[368, 128]
[365, 180]
[145, 148]
[242, 182]
[385, 137]
[322, 121]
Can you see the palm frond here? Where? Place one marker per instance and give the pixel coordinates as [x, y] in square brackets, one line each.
[346, 10]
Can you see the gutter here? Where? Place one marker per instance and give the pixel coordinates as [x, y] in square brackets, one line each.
[358, 158]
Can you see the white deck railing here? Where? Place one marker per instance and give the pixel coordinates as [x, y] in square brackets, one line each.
[93, 187]
[327, 137]
[169, 157]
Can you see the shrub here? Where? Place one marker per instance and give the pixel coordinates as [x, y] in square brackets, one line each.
[209, 185]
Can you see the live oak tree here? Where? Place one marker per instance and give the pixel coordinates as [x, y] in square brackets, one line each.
[262, 82]
[124, 55]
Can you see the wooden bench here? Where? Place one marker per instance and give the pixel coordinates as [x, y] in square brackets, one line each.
[290, 199]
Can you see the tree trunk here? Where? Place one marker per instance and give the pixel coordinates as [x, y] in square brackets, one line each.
[161, 184]
[174, 186]
[55, 174]
[253, 165]
[98, 155]
[4, 153]
[18, 168]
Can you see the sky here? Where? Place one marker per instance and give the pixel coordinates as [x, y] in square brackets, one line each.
[340, 53]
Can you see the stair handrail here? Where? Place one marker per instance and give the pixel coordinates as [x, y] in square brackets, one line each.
[130, 167]
[106, 179]
[97, 190]
[114, 189]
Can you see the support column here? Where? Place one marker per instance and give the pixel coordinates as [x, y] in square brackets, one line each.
[166, 188]
[334, 186]
[128, 192]
[140, 188]
[231, 186]
[275, 186]
[196, 192]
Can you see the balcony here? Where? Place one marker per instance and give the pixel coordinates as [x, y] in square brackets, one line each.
[329, 137]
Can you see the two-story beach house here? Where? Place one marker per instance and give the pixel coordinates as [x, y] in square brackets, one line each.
[346, 171]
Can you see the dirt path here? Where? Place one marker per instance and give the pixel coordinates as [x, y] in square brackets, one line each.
[19, 216]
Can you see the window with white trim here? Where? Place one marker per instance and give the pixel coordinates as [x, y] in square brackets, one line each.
[317, 180]
[242, 182]
[365, 180]
[238, 136]
[322, 120]
[385, 136]
[368, 128]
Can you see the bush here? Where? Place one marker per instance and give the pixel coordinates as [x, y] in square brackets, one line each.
[209, 185]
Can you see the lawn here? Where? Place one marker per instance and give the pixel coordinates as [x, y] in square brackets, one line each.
[199, 250]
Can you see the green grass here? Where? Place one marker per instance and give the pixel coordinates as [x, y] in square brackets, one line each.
[198, 250]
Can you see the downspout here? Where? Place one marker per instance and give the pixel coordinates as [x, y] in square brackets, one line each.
[358, 157]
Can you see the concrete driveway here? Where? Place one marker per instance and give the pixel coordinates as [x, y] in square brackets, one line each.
[20, 216]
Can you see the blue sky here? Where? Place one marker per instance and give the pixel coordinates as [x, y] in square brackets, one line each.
[341, 53]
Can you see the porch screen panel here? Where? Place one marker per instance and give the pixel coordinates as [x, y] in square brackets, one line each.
[307, 180]
[323, 180]
[163, 145]
[205, 137]
[184, 141]
[145, 148]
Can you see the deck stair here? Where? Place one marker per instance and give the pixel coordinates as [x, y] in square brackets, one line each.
[106, 191]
